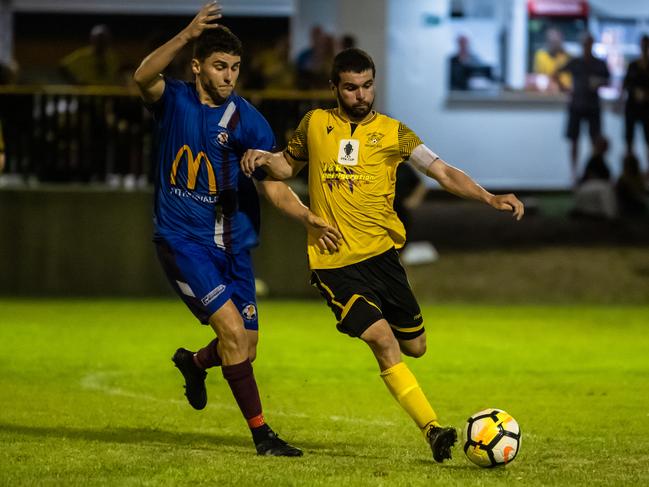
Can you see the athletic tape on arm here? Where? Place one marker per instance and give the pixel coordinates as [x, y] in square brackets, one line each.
[422, 158]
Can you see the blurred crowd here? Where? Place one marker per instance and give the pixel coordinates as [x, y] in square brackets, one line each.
[597, 194]
[272, 67]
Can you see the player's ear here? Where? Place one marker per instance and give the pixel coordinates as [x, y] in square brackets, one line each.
[332, 86]
[196, 66]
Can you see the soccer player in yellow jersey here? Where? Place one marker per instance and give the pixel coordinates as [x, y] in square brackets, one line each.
[353, 153]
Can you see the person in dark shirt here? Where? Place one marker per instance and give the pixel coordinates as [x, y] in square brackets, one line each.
[636, 84]
[588, 75]
[464, 65]
[630, 189]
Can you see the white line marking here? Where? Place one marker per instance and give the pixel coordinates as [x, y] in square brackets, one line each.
[96, 381]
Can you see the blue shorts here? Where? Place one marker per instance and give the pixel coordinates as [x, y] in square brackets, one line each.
[206, 277]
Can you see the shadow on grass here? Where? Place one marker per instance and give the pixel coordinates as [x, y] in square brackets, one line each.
[177, 438]
[462, 464]
[129, 435]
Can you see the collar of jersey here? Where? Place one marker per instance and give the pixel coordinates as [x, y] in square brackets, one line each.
[338, 112]
[198, 99]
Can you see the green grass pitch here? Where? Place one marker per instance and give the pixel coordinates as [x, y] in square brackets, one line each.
[88, 395]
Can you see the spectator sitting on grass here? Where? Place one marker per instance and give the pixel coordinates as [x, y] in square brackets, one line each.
[594, 196]
[630, 188]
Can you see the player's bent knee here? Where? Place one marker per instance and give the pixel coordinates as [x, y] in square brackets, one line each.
[382, 342]
[380, 338]
[415, 348]
[233, 337]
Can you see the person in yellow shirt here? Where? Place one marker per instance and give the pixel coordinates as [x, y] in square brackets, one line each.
[95, 64]
[353, 153]
[548, 60]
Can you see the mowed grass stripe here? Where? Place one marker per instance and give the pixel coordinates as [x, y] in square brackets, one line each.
[90, 396]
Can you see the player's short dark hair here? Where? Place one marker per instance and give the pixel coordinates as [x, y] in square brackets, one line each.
[220, 39]
[351, 60]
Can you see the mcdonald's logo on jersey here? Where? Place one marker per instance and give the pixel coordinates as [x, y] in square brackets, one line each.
[193, 167]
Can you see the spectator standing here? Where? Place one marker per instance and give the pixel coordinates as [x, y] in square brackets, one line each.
[95, 64]
[588, 75]
[314, 62]
[636, 85]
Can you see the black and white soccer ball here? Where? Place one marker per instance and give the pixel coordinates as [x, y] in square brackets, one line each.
[491, 438]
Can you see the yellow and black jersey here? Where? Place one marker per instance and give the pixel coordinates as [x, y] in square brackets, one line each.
[352, 174]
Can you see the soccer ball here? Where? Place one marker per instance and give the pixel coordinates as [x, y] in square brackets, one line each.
[492, 438]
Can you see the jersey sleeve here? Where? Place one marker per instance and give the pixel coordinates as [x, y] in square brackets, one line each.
[157, 108]
[408, 140]
[297, 146]
[257, 134]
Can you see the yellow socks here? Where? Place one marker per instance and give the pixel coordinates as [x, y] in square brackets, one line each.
[403, 385]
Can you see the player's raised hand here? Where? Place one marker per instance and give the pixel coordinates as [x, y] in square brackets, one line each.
[252, 159]
[205, 19]
[508, 202]
[327, 237]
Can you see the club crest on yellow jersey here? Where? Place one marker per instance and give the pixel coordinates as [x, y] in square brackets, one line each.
[374, 139]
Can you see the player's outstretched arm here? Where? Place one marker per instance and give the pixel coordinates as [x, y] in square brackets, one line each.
[459, 183]
[148, 77]
[283, 197]
[279, 165]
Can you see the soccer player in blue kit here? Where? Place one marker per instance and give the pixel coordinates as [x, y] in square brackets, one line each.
[207, 212]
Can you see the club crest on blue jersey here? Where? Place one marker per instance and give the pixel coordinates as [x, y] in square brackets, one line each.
[222, 138]
[249, 312]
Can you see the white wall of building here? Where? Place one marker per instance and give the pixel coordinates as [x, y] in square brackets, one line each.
[500, 146]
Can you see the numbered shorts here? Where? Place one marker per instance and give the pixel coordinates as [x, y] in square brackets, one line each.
[361, 294]
[206, 277]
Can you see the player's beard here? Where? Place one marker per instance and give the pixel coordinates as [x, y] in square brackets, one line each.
[357, 111]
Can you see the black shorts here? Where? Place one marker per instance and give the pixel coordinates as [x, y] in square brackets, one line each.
[575, 117]
[363, 293]
[632, 116]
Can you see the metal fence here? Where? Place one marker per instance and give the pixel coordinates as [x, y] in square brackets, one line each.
[104, 134]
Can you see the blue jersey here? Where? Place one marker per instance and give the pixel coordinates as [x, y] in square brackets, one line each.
[201, 194]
